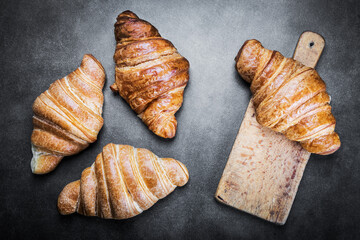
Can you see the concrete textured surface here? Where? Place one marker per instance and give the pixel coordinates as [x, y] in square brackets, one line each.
[42, 41]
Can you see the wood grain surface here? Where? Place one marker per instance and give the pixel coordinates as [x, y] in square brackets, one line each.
[264, 168]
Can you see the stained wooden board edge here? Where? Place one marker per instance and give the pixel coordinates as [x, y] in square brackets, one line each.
[308, 51]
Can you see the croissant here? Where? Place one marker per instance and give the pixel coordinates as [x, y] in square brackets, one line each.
[289, 97]
[150, 74]
[123, 182]
[67, 116]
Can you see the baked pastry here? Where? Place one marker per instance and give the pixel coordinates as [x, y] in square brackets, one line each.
[123, 182]
[289, 97]
[67, 116]
[150, 74]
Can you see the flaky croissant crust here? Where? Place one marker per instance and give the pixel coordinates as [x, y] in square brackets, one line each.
[289, 97]
[123, 182]
[150, 74]
[67, 116]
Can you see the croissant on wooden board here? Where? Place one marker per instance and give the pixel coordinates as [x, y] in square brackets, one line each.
[150, 74]
[121, 183]
[289, 97]
[67, 116]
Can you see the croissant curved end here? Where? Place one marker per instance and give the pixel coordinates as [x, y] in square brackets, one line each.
[166, 130]
[186, 175]
[68, 198]
[42, 163]
[127, 13]
[93, 68]
[247, 68]
[114, 88]
[163, 126]
[34, 159]
[176, 171]
[323, 145]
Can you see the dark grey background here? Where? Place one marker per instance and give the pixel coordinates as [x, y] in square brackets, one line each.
[42, 41]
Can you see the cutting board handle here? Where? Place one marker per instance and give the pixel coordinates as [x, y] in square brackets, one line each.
[309, 48]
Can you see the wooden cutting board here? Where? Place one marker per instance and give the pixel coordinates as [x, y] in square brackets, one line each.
[264, 168]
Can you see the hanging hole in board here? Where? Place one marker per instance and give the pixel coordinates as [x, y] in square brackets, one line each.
[311, 44]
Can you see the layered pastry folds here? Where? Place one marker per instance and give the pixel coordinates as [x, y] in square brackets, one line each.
[67, 116]
[123, 182]
[150, 74]
[289, 97]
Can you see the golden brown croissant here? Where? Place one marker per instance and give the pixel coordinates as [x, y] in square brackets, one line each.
[150, 74]
[67, 116]
[289, 97]
[123, 182]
